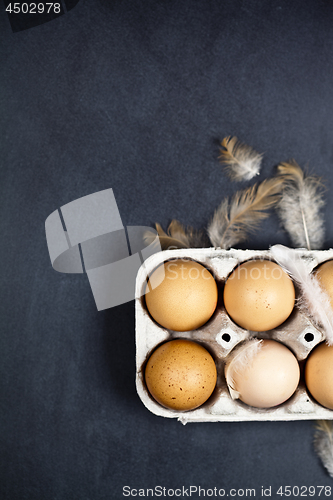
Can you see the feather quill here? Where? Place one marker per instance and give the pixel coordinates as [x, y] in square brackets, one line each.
[313, 300]
[323, 443]
[241, 161]
[240, 358]
[176, 237]
[300, 205]
[233, 220]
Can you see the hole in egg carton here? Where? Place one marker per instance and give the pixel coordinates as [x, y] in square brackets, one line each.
[229, 337]
[310, 338]
[225, 337]
[298, 333]
[220, 332]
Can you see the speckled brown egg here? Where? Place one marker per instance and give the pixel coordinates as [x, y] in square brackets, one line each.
[186, 295]
[319, 374]
[181, 374]
[259, 295]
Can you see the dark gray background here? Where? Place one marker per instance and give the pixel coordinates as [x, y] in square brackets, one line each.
[135, 95]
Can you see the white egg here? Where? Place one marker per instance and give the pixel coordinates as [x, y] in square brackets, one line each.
[265, 377]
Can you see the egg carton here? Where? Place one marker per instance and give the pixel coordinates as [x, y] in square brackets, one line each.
[220, 335]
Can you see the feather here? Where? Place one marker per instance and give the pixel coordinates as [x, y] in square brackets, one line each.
[240, 358]
[323, 443]
[241, 161]
[313, 300]
[233, 221]
[176, 237]
[300, 205]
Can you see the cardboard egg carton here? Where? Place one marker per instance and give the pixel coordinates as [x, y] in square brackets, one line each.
[220, 335]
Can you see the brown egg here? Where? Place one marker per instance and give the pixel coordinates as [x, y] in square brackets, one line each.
[186, 297]
[266, 379]
[324, 273]
[319, 374]
[259, 295]
[181, 374]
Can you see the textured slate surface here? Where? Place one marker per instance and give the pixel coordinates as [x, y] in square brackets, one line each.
[135, 96]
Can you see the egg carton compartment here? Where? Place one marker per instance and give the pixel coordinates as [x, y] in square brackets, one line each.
[220, 335]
